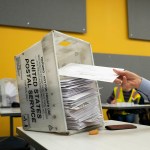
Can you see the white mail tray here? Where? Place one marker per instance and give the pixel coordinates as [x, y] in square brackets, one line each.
[39, 87]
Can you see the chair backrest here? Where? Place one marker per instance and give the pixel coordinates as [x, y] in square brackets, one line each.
[144, 116]
[110, 114]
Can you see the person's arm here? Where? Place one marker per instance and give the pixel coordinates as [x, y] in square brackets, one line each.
[145, 87]
[110, 100]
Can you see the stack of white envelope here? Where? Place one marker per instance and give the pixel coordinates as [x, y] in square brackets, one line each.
[80, 94]
[81, 103]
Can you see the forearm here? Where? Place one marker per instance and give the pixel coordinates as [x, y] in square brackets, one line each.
[145, 87]
[109, 101]
[111, 98]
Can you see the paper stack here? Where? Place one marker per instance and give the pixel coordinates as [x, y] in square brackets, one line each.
[81, 103]
[81, 95]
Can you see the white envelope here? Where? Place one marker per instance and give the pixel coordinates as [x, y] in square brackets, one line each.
[97, 73]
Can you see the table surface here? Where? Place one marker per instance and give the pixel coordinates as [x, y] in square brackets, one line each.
[10, 112]
[120, 107]
[131, 139]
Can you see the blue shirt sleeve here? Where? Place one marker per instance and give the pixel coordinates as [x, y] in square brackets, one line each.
[145, 87]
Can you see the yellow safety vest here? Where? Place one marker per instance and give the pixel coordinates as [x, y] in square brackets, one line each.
[120, 98]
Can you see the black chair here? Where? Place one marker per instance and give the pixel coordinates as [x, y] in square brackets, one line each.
[144, 117]
[13, 143]
[110, 114]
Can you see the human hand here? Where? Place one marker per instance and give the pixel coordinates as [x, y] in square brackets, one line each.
[113, 101]
[127, 79]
